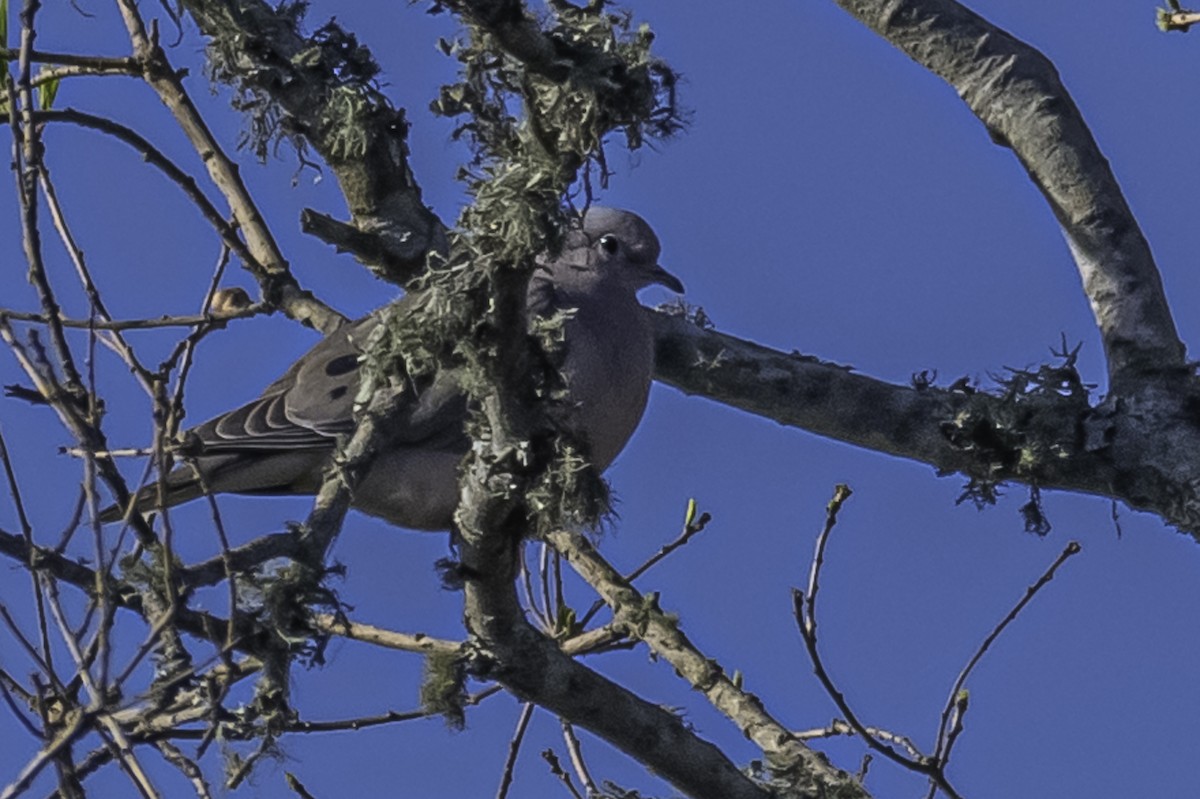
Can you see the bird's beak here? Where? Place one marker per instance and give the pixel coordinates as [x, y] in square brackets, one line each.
[665, 278]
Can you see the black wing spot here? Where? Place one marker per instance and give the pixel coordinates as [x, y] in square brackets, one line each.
[341, 365]
[338, 392]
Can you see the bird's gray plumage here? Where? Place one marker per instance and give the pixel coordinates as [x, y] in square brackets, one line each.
[282, 442]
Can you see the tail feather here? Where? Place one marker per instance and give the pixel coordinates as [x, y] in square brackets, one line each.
[182, 485]
[274, 473]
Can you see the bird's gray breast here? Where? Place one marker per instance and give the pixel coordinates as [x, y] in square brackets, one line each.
[608, 366]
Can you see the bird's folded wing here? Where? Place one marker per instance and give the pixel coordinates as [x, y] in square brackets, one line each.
[313, 403]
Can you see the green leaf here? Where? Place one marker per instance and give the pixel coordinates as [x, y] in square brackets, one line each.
[4, 23]
[47, 92]
[690, 516]
[565, 625]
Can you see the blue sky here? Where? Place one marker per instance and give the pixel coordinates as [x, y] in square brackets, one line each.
[831, 197]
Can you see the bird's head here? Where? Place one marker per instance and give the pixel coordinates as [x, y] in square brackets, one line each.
[608, 245]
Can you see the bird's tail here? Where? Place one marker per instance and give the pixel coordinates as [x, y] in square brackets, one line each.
[181, 485]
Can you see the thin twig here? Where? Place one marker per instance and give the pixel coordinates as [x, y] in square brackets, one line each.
[297, 786]
[691, 526]
[839, 727]
[333, 624]
[81, 423]
[99, 698]
[27, 166]
[805, 606]
[246, 766]
[153, 156]
[514, 748]
[805, 609]
[45, 668]
[956, 703]
[575, 751]
[558, 771]
[14, 490]
[75, 60]
[65, 737]
[138, 324]
[186, 766]
[98, 308]
[391, 717]
[549, 615]
[7, 686]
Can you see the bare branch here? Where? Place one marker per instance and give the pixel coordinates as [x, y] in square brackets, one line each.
[323, 87]
[67, 735]
[1016, 92]
[1143, 451]
[641, 616]
[407, 642]
[956, 702]
[186, 766]
[272, 272]
[137, 324]
[27, 147]
[558, 771]
[101, 63]
[804, 604]
[575, 752]
[533, 669]
[514, 748]
[692, 526]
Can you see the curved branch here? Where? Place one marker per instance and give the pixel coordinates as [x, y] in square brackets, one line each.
[153, 156]
[1016, 92]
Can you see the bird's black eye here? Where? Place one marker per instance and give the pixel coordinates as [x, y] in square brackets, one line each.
[341, 365]
[610, 244]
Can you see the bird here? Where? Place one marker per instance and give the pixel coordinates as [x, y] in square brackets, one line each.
[285, 440]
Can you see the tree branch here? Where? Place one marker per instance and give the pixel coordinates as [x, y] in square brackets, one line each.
[322, 88]
[268, 266]
[1016, 92]
[640, 616]
[533, 668]
[1144, 451]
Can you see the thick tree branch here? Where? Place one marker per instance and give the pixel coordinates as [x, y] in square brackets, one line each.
[1144, 451]
[1177, 20]
[533, 668]
[518, 34]
[1016, 92]
[321, 88]
[828, 399]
